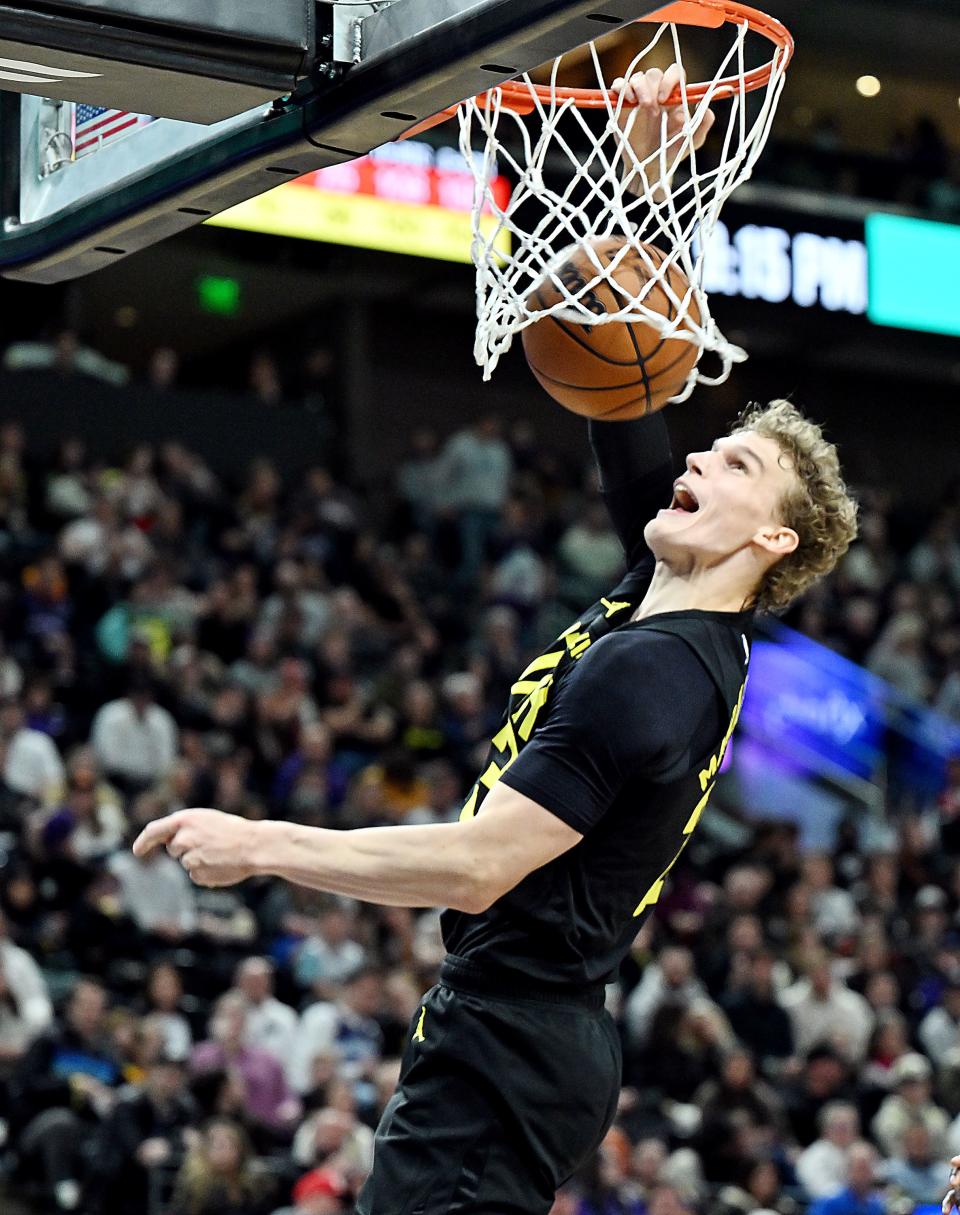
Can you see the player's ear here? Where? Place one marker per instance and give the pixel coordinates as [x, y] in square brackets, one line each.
[776, 540]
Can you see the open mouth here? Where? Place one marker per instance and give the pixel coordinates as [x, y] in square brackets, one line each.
[683, 500]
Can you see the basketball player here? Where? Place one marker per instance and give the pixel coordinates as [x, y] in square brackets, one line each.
[605, 760]
[951, 1201]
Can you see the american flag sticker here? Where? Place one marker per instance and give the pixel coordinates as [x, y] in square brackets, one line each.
[94, 126]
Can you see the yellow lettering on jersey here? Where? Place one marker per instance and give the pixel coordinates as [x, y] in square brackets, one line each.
[470, 805]
[710, 771]
[697, 811]
[532, 706]
[544, 662]
[651, 896]
[613, 606]
[491, 776]
[506, 740]
[707, 783]
[577, 643]
[418, 1032]
[656, 889]
[535, 693]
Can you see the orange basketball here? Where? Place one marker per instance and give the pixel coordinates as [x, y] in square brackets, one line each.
[619, 370]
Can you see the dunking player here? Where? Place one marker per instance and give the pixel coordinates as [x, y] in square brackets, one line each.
[602, 767]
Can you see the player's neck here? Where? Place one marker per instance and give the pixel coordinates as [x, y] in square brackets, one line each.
[716, 589]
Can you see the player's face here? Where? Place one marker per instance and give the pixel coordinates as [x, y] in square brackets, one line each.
[728, 500]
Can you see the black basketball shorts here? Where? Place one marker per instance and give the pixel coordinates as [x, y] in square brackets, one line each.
[502, 1097]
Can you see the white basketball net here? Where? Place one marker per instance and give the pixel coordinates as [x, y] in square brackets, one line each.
[624, 200]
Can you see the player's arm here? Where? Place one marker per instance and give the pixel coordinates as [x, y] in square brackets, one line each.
[654, 129]
[633, 458]
[465, 865]
[635, 466]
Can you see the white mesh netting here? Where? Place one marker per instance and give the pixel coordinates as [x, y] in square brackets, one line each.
[672, 198]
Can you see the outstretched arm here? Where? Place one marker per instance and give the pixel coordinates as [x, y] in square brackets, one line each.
[635, 466]
[466, 865]
[634, 458]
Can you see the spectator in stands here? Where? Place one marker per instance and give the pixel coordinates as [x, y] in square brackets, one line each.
[834, 911]
[63, 1088]
[220, 1177]
[94, 809]
[670, 980]
[336, 1137]
[65, 355]
[911, 1102]
[824, 1009]
[935, 560]
[268, 1102]
[898, 655]
[156, 894]
[860, 1196]
[255, 672]
[32, 765]
[444, 797]
[163, 998]
[293, 595]
[822, 1167]
[271, 1024]
[312, 760]
[319, 1192]
[916, 1171]
[25, 1008]
[824, 1077]
[148, 1128]
[475, 469]
[468, 723]
[347, 1023]
[135, 739]
[756, 1015]
[590, 555]
[738, 1111]
[330, 954]
[890, 1039]
[870, 563]
[420, 480]
[284, 709]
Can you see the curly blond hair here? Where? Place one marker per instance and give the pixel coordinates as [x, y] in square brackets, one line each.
[819, 507]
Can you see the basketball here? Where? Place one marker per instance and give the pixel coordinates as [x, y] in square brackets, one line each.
[615, 371]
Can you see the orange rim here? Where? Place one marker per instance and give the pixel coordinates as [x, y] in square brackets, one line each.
[522, 98]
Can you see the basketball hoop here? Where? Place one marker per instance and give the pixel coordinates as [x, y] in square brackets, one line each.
[608, 191]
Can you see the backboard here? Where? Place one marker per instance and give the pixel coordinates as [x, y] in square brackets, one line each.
[83, 184]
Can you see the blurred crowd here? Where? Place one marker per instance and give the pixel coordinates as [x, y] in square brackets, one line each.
[791, 1022]
[920, 169]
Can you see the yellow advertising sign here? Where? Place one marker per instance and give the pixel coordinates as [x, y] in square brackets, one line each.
[305, 212]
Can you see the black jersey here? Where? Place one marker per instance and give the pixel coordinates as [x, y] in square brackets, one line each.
[618, 728]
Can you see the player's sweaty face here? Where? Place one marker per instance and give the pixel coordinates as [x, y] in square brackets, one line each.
[726, 496]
